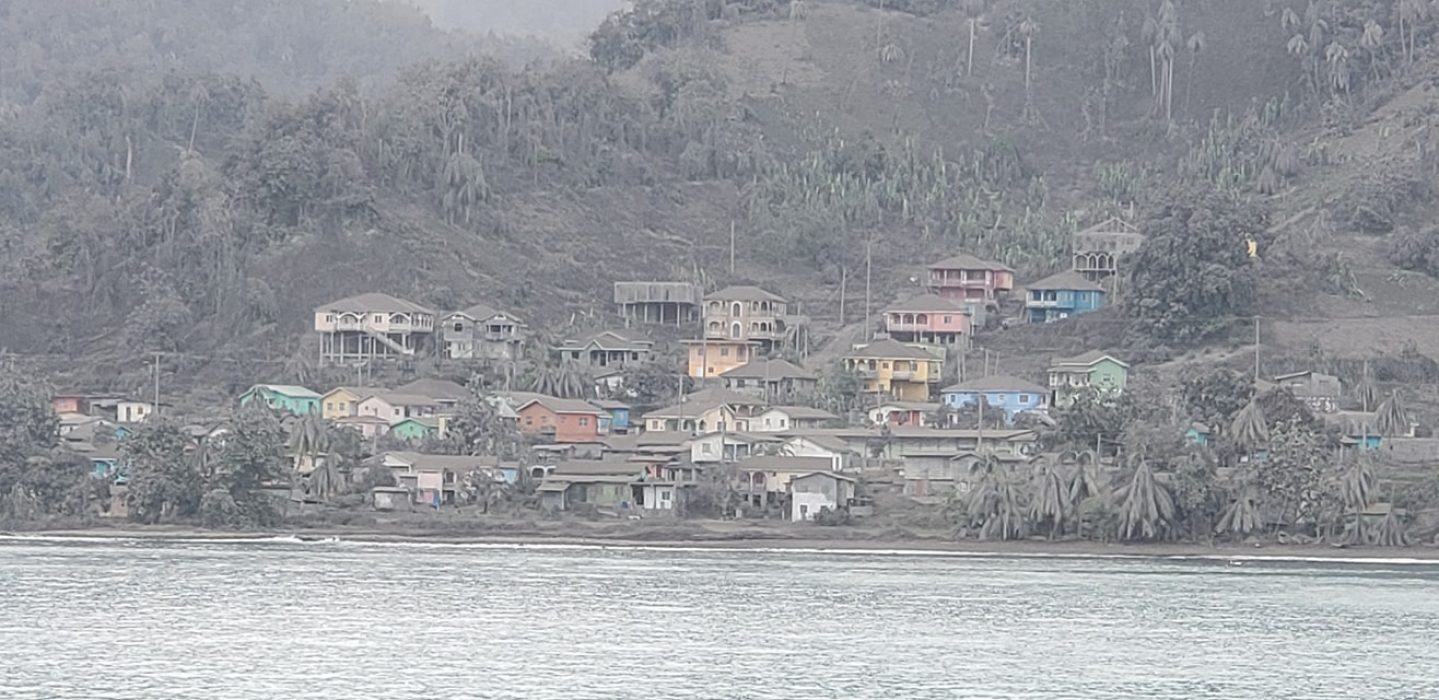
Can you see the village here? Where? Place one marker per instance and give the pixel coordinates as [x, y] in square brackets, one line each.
[747, 409]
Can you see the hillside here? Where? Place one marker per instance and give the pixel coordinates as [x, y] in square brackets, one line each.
[186, 211]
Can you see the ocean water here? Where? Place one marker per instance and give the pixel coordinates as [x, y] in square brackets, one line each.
[283, 619]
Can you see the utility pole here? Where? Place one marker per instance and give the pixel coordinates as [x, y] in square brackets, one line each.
[868, 333]
[731, 246]
[843, 274]
[1256, 348]
[156, 406]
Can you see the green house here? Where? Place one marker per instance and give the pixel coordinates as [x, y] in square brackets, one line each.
[1070, 376]
[283, 397]
[416, 428]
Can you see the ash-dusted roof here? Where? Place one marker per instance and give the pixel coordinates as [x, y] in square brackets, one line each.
[559, 405]
[373, 302]
[928, 303]
[1067, 280]
[804, 412]
[419, 461]
[1113, 224]
[743, 293]
[965, 261]
[1087, 359]
[397, 399]
[290, 390]
[891, 349]
[776, 463]
[997, 382]
[434, 388]
[768, 369]
[609, 340]
[924, 406]
[591, 467]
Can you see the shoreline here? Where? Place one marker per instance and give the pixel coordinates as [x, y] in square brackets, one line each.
[898, 546]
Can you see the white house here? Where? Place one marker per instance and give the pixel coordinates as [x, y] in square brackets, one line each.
[397, 407]
[133, 411]
[729, 447]
[816, 491]
[781, 418]
[834, 449]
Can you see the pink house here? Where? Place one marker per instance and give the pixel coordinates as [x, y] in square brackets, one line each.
[928, 318]
[970, 280]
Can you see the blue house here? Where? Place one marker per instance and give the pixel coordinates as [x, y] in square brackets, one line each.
[618, 415]
[1060, 296]
[1000, 392]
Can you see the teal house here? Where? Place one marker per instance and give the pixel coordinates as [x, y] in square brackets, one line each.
[1093, 370]
[1060, 296]
[1198, 434]
[417, 428]
[283, 397]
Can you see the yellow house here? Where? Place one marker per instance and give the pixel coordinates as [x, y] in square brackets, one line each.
[888, 366]
[712, 357]
[344, 401]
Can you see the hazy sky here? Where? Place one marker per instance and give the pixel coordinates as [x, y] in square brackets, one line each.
[566, 21]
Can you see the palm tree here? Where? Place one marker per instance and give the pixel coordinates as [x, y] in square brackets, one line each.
[1371, 41]
[1150, 36]
[1365, 392]
[1356, 490]
[1249, 430]
[1196, 44]
[1337, 56]
[1168, 38]
[1392, 418]
[973, 9]
[1241, 516]
[1390, 532]
[1085, 478]
[1027, 29]
[309, 438]
[1146, 507]
[325, 480]
[563, 380]
[1410, 13]
[994, 503]
[1051, 503]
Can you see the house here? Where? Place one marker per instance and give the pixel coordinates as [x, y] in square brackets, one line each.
[1091, 370]
[1099, 249]
[418, 428]
[601, 484]
[443, 392]
[708, 357]
[102, 405]
[436, 479]
[928, 448]
[1060, 296]
[928, 318]
[1320, 392]
[914, 413]
[890, 367]
[837, 451]
[782, 418]
[770, 380]
[973, 283]
[369, 427]
[372, 327]
[809, 494]
[764, 479]
[747, 313]
[482, 332]
[344, 401]
[607, 349]
[390, 498]
[396, 407]
[618, 414]
[132, 411]
[659, 302]
[1198, 434]
[1001, 392]
[925, 478]
[731, 446]
[710, 410]
[292, 399]
[565, 420]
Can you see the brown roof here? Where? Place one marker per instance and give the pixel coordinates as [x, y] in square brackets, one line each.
[371, 302]
[743, 293]
[965, 261]
[889, 349]
[768, 369]
[997, 382]
[929, 303]
[1068, 279]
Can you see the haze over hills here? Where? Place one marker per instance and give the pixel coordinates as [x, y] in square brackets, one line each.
[565, 22]
[152, 202]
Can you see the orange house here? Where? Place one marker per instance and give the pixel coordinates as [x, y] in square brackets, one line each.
[69, 403]
[567, 420]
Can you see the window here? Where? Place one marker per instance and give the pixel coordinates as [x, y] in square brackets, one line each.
[724, 352]
[379, 318]
[529, 420]
[948, 319]
[707, 449]
[397, 411]
[664, 495]
[459, 326]
[329, 318]
[1024, 398]
[584, 421]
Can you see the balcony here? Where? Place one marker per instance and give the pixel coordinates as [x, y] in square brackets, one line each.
[1033, 303]
[903, 375]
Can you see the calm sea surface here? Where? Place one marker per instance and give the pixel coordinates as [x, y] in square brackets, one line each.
[278, 620]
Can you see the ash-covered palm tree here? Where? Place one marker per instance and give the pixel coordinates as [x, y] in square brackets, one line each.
[1356, 490]
[1051, 503]
[1241, 516]
[1364, 391]
[1393, 417]
[1249, 429]
[1390, 531]
[309, 438]
[994, 504]
[1146, 508]
[973, 10]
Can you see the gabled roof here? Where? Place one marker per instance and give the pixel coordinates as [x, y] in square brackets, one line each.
[591, 467]
[611, 405]
[481, 312]
[768, 369]
[891, 349]
[372, 302]
[743, 293]
[1087, 359]
[559, 405]
[965, 261]
[742, 437]
[397, 399]
[923, 406]
[928, 303]
[609, 340]
[826, 474]
[1113, 224]
[420, 461]
[426, 421]
[828, 442]
[290, 390]
[997, 382]
[1067, 280]
[785, 464]
[804, 412]
[364, 392]
[434, 388]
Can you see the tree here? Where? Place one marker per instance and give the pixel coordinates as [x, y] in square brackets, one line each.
[309, 439]
[1365, 393]
[1028, 29]
[1146, 509]
[478, 429]
[1250, 431]
[973, 10]
[1410, 12]
[251, 458]
[1051, 502]
[1241, 516]
[1392, 418]
[994, 507]
[1212, 397]
[1196, 44]
[1093, 416]
[1193, 274]
[162, 480]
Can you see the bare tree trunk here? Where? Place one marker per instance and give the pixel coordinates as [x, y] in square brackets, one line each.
[969, 69]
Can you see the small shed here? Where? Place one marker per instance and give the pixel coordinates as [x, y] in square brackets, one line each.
[814, 492]
[389, 498]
